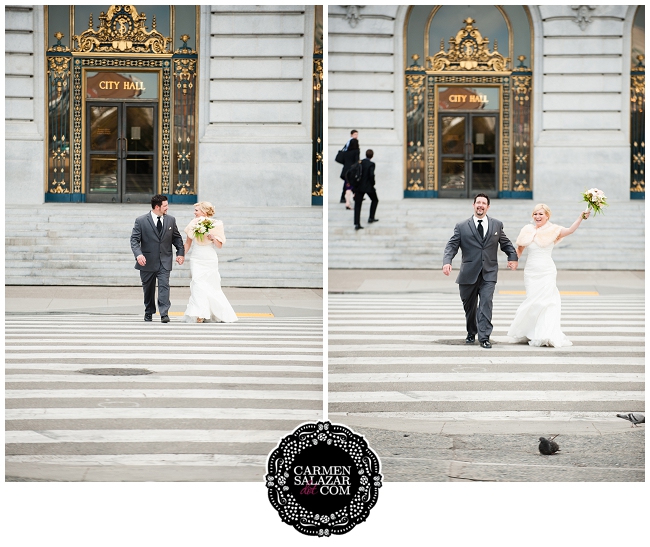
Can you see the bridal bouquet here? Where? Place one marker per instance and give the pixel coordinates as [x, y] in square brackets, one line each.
[595, 199]
[202, 227]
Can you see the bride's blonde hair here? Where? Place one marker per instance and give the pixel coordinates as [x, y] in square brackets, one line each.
[206, 207]
[542, 206]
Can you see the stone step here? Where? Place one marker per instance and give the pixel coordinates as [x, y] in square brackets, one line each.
[414, 233]
[88, 244]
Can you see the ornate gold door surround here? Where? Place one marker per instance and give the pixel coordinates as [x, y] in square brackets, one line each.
[125, 62]
[468, 83]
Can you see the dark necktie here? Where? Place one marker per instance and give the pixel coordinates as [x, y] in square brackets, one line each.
[159, 226]
[480, 228]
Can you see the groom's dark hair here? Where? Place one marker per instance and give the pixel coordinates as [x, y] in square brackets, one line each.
[157, 200]
[482, 196]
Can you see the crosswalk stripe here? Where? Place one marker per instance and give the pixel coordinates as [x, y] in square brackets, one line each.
[144, 436]
[203, 460]
[483, 396]
[138, 393]
[161, 413]
[410, 377]
[247, 384]
[398, 356]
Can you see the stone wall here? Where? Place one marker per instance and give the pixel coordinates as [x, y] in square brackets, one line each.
[582, 101]
[365, 92]
[24, 105]
[256, 107]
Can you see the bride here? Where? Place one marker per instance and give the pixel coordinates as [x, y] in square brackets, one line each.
[538, 318]
[207, 301]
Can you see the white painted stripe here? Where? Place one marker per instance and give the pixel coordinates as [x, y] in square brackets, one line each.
[145, 436]
[155, 379]
[169, 368]
[181, 357]
[487, 360]
[492, 416]
[482, 396]
[425, 338]
[202, 413]
[161, 394]
[154, 348]
[101, 460]
[196, 343]
[375, 378]
[461, 330]
[586, 323]
[462, 348]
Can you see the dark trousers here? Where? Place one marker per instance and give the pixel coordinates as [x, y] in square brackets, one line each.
[149, 288]
[477, 301]
[343, 192]
[358, 200]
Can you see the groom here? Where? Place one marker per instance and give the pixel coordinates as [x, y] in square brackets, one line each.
[151, 242]
[479, 238]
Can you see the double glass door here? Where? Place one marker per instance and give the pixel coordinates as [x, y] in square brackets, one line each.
[468, 154]
[121, 151]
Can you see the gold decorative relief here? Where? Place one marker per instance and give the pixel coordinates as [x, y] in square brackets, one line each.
[468, 51]
[122, 30]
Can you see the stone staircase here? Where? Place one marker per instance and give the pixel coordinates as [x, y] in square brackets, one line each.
[88, 244]
[412, 234]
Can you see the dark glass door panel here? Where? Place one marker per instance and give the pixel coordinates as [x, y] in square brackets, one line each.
[122, 150]
[453, 134]
[468, 154]
[452, 175]
[140, 128]
[104, 122]
[484, 134]
[484, 175]
[103, 175]
[139, 177]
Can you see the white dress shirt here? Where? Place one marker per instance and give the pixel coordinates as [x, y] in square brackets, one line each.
[484, 223]
[154, 217]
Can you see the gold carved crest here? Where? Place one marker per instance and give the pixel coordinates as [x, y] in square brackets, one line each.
[468, 51]
[122, 30]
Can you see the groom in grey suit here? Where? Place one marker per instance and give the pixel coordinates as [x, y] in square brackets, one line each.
[479, 238]
[151, 242]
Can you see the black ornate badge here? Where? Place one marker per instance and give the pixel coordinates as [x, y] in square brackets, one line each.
[323, 479]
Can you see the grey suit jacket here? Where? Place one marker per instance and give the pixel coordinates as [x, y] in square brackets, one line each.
[157, 249]
[478, 256]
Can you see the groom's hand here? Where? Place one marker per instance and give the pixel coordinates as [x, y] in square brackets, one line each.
[141, 260]
[180, 260]
[512, 264]
[446, 269]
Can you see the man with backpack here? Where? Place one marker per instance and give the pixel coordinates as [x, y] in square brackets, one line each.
[365, 185]
[341, 157]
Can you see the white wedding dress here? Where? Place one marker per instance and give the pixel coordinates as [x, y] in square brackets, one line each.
[538, 318]
[207, 300]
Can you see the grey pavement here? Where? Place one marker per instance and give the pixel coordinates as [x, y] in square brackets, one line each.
[389, 326]
[129, 300]
[605, 282]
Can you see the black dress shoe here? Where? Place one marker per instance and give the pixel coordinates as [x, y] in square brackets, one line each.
[471, 338]
[371, 220]
[147, 317]
[485, 344]
[164, 319]
[358, 227]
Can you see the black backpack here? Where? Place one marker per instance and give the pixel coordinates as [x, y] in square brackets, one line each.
[353, 175]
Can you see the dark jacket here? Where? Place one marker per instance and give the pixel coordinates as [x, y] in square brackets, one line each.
[351, 157]
[367, 181]
[157, 249]
[478, 256]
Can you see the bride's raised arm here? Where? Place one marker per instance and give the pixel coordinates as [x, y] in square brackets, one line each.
[568, 231]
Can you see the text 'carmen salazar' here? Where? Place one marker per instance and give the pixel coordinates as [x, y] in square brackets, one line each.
[332, 480]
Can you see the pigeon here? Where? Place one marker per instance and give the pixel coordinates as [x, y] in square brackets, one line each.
[634, 418]
[548, 447]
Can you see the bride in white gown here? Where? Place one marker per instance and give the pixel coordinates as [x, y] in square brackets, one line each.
[207, 302]
[538, 318]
